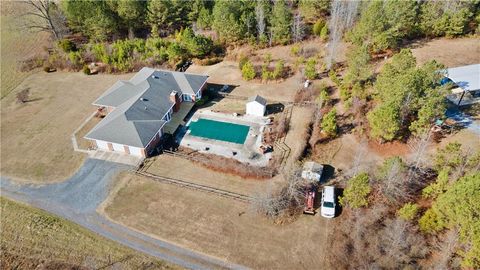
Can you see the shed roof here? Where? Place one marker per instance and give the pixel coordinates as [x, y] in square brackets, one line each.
[258, 99]
[466, 77]
[140, 105]
[312, 166]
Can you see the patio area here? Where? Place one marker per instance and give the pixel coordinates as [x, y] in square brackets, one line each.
[247, 152]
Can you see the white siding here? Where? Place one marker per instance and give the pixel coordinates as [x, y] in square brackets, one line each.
[118, 147]
[135, 151]
[255, 108]
[102, 145]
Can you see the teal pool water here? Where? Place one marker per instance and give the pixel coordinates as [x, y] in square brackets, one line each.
[218, 130]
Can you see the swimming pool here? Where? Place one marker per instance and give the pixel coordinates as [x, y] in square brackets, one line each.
[217, 130]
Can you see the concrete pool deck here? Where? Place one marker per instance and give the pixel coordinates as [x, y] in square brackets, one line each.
[248, 152]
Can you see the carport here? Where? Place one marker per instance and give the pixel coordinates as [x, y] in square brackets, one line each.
[467, 84]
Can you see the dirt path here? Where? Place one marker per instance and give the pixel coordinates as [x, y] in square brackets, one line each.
[77, 199]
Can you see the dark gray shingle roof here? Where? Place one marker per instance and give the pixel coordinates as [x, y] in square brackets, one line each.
[258, 99]
[140, 105]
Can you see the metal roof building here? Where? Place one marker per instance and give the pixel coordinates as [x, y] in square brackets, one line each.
[467, 80]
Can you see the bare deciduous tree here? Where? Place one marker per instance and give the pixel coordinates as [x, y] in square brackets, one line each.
[260, 18]
[45, 15]
[399, 244]
[298, 28]
[284, 199]
[446, 249]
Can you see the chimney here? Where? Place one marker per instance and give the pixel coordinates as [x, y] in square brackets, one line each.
[176, 100]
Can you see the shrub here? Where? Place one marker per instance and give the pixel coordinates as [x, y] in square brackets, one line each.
[248, 71]
[324, 33]
[266, 74]
[100, 53]
[329, 123]
[430, 222]
[299, 61]
[333, 76]
[408, 211]
[278, 72]
[66, 45]
[75, 58]
[86, 70]
[23, 95]
[323, 98]
[295, 50]
[243, 60]
[356, 193]
[310, 71]
[318, 27]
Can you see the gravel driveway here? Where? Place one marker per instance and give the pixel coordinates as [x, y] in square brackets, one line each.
[77, 199]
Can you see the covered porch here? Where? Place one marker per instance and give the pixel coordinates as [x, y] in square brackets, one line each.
[178, 118]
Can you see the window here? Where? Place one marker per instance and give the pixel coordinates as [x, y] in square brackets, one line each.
[187, 97]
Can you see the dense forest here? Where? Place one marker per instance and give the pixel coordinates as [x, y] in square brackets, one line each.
[126, 34]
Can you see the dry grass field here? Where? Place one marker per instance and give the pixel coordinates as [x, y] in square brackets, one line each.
[450, 52]
[34, 239]
[183, 169]
[227, 72]
[36, 144]
[16, 45]
[218, 226]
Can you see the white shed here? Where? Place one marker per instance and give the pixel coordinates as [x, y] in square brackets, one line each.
[256, 105]
[312, 171]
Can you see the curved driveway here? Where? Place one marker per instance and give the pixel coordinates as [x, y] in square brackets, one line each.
[77, 199]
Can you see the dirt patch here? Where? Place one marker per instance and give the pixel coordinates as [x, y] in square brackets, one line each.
[36, 136]
[389, 149]
[221, 227]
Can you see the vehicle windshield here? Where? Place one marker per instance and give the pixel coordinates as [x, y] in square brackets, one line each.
[328, 204]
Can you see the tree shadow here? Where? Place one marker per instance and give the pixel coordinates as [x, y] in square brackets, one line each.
[327, 173]
[338, 206]
[219, 89]
[32, 100]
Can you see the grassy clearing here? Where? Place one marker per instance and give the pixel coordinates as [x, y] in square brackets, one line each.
[16, 45]
[32, 238]
[36, 136]
[218, 226]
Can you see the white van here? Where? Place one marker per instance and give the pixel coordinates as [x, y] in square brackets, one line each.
[328, 202]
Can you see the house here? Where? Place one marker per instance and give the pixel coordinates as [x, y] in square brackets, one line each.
[138, 109]
[312, 171]
[467, 84]
[256, 105]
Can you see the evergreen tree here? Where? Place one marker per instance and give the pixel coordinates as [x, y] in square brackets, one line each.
[355, 195]
[248, 71]
[132, 14]
[312, 10]
[281, 22]
[329, 123]
[310, 70]
[168, 16]
[95, 19]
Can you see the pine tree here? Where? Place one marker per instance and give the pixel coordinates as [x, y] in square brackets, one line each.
[281, 22]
